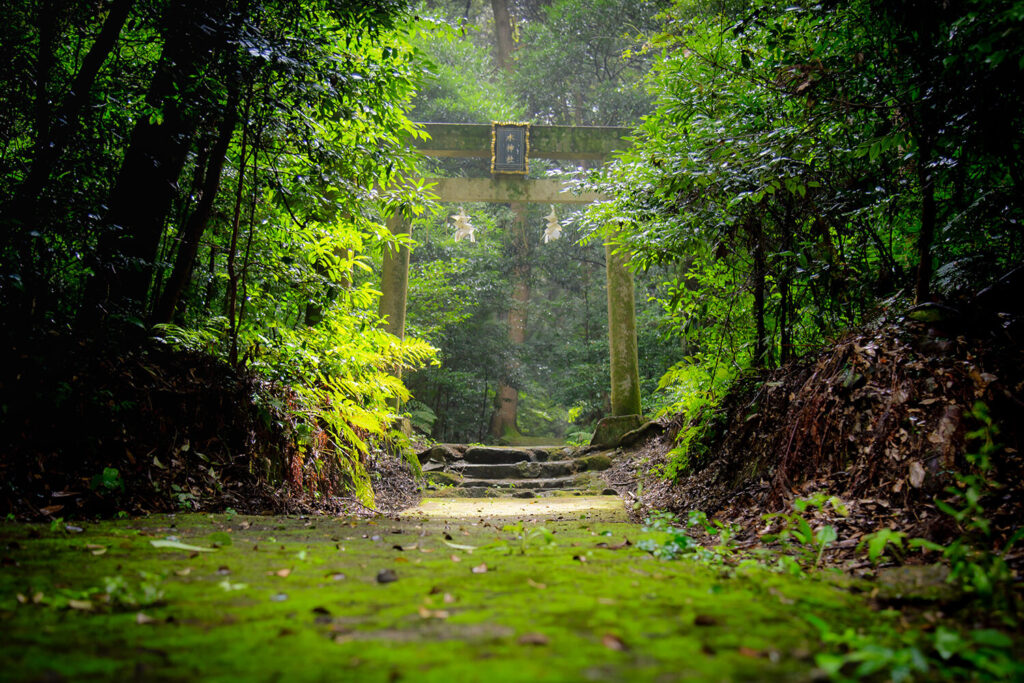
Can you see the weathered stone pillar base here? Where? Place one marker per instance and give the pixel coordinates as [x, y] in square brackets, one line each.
[622, 344]
[610, 430]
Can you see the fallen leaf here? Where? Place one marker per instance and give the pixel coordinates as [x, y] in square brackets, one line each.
[141, 619]
[228, 586]
[183, 572]
[459, 546]
[83, 605]
[540, 586]
[613, 642]
[433, 614]
[283, 573]
[916, 474]
[177, 545]
[480, 569]
[456, 558]
[449, 598]
[533, 639]
[749, 652]
[51, 509]
[387, 576]
[403, 560]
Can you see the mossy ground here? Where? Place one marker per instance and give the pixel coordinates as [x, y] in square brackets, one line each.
[296, 599]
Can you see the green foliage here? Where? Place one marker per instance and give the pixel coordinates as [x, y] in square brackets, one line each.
[977, 564]
[883, 541]
[109, 481]
[670, 541]
[980, 654]
[798, 159]
[124, 595]
[526, 536]
[797, 531]
[579, 62]
[281, 133]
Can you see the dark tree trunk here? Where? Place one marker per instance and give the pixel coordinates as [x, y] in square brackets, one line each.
[232, 293]
[195, 227]
[785, 282]
[926, 236]
[760, 268]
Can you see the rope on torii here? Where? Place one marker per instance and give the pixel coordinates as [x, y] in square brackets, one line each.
[463, 228]
[553, 231]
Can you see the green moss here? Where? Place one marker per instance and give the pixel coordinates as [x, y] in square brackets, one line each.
[595, 462]
[442, 478]
[296, 598]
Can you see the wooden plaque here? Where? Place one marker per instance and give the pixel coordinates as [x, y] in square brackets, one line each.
[510, 148]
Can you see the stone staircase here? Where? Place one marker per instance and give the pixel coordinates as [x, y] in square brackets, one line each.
[488, 471]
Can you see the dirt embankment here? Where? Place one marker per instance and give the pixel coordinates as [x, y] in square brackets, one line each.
[882, 418]
[93, 429]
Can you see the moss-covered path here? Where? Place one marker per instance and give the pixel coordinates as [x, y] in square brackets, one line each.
[456, 590]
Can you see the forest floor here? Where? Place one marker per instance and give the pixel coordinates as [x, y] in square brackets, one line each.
[550, 589]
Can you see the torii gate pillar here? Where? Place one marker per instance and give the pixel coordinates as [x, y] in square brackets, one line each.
[624, 359]
[394, 285]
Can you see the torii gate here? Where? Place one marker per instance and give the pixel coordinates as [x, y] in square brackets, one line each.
[572, 143]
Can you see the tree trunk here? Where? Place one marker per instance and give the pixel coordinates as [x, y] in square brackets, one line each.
[502, 33]
[232, 293]
[785, 295]
[760, 345]
[193, 231]
[926, 179]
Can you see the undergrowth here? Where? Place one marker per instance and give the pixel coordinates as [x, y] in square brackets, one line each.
[795, 543]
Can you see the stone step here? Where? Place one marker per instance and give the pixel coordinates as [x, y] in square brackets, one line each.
[488, 492]
[531, 484]
[495, 455]
[518, 470]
